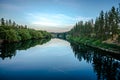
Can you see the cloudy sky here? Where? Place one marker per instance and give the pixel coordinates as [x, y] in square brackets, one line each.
[53, 15]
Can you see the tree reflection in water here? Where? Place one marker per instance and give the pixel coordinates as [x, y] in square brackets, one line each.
[105, 65]
[9, 50]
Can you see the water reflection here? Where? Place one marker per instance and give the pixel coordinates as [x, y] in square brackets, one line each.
[105, 66]
[56, 60]
[9, 50]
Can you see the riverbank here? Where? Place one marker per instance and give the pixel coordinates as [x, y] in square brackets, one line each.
[112, 48]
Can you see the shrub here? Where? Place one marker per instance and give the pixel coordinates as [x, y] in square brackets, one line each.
[97, 42]
[24, 34]
[11, 35]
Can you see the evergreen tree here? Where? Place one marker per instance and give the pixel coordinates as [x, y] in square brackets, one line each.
[107, 31]
[10, 22]
[14, 24]
[101, 25]
[106, 25]
[25, 26]
[2, 21]
[114, 22]
[96, 27]
[7, 24]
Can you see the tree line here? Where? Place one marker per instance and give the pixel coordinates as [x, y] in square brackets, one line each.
[105, 26]
[8, 50]
[12, 32]
[105, 67]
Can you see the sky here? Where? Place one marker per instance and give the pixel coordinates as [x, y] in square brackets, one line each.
[53, 15]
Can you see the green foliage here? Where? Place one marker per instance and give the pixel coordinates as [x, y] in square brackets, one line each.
[12, 32]
[97, 43]
[2, 33]
[82, 29]
[24, 34]
[32, 33]
[39, 35]
[94, 43]
[11, 35]
[105, 26]
[2, 22]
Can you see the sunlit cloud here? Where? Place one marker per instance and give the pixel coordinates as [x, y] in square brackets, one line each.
[52, 15]
[54, 20]
[80, 18]
[45, 23]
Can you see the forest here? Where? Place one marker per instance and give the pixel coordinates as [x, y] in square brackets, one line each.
[12, 32]
[103, 32]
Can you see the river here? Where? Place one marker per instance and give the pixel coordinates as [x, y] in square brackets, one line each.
[56, 59]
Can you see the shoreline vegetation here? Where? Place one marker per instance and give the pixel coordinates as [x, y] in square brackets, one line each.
[97, 44]
[103, 33]
[9, 50]
[12, 32]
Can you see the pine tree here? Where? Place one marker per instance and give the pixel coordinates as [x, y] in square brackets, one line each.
[25, 26]
[2, 21]
[96, 27]
[101, 30]
[6, 23]
[107, 28]
[10, 22]
[119, 14]
[14, 24]
[114, 23]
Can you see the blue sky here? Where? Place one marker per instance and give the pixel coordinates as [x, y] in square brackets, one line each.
[53, 15]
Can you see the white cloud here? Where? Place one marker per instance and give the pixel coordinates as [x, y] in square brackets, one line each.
[80, 18]
[54, 21]
[46, 23]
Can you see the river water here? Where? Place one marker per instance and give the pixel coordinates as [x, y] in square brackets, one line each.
[56, 59]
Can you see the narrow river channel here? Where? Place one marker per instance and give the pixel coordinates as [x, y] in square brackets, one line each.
[56, 59]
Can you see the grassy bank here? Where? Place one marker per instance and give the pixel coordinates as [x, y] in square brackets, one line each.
[96, 44]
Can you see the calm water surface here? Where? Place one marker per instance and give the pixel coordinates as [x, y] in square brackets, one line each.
[56, 60]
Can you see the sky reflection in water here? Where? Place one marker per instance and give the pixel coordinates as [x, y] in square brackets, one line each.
[58, 59]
